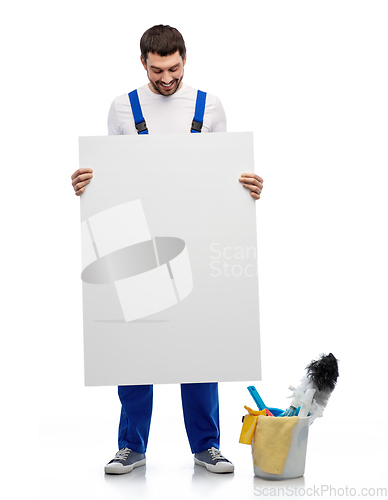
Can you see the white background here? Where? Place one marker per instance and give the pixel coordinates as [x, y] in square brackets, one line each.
[309, 78]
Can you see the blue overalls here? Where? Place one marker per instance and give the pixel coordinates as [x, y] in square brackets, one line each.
[199, 401]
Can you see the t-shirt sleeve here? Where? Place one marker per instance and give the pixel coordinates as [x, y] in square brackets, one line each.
[113, 121]
[218, 117]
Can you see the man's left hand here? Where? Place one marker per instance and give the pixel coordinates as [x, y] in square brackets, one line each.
[252, 182]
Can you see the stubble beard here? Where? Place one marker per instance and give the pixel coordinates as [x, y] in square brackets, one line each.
[159, 89]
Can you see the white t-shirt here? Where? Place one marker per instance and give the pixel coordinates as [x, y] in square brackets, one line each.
[165, 114]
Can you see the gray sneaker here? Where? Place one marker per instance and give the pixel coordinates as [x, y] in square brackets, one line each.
[124, 461]
[213, 461]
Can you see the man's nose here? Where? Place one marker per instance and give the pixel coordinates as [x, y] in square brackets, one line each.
[166, 77]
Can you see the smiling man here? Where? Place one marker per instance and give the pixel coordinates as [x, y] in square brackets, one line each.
[164, 73]
[164, 68]
[167, 105]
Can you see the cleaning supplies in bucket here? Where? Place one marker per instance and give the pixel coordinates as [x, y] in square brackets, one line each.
[279, 444]
[281, 458]
[270, 438]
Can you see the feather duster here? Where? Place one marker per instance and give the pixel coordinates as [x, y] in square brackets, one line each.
[322, 377]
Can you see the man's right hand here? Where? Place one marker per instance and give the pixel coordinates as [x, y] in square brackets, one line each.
[80, 179]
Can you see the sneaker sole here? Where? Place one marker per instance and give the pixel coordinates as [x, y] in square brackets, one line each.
[220, 468]
[124, 469]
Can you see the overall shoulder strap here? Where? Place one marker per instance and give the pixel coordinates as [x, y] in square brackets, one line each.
[140, 123]
[196, 126]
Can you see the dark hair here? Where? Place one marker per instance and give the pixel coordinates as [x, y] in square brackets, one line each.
[162, 40]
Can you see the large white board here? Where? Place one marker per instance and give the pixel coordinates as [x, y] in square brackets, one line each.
[169, 260]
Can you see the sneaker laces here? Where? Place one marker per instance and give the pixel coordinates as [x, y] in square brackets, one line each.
[122, 454]
[216, 454]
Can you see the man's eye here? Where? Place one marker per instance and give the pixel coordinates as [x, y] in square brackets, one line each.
[157, 72]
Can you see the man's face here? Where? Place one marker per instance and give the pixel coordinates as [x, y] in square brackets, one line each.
[164, 73]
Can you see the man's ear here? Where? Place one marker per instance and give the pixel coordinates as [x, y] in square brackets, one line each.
[184, 59]
[144, 63]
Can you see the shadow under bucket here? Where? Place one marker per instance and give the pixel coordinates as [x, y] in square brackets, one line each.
[295, 462]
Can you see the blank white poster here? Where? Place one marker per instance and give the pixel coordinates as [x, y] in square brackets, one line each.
[169, 260]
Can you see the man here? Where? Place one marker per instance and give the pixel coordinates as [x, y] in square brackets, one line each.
[167, 106]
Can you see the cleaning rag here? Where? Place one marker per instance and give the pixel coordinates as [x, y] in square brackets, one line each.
[249, 425]
[271, 442]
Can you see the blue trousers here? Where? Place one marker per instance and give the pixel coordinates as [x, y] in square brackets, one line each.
[200, 411]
